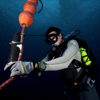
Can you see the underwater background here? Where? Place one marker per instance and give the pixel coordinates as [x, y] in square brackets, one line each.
[68, 15]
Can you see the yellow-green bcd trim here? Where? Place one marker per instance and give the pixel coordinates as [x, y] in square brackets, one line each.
[85, 57]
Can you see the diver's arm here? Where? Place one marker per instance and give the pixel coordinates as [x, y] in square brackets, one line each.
[65, 60]
[20, 68]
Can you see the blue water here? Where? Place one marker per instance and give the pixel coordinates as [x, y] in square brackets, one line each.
[68, 15]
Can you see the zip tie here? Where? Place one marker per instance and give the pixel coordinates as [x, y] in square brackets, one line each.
[20, 53]
[22, 34]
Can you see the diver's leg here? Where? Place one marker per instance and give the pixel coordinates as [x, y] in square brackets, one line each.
[91, 94]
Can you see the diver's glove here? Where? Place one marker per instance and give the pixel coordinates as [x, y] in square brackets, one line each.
[21, 68]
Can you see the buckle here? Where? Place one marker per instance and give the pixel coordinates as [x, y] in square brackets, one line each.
[90, 82]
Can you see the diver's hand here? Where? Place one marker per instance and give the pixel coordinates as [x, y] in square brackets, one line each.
[8, 66]
[20, 68]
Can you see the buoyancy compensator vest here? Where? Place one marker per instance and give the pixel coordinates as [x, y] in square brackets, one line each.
[88, 63]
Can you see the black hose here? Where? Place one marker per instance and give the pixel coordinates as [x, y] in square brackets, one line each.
[41, 7]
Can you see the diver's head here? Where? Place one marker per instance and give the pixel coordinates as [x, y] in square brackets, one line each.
[53, 36]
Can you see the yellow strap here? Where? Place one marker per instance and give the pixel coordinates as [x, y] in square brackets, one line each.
[22, 67]
[36, 65]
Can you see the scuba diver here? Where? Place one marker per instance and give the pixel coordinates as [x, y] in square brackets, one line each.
[74, 59]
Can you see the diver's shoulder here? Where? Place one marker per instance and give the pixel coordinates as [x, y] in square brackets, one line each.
[72, 41]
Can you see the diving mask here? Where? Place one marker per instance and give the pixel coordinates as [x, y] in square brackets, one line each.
[51, 38]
